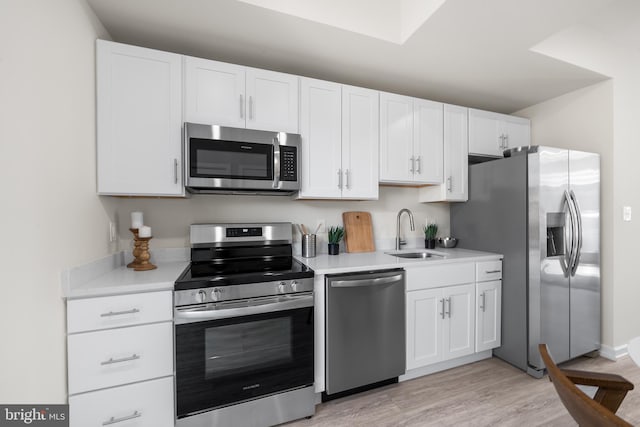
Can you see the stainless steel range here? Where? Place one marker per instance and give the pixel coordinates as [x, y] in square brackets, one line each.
[243, 328]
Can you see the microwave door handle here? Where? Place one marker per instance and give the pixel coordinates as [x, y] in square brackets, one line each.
[276, 162]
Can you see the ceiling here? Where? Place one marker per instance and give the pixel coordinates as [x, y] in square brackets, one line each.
[467, 52]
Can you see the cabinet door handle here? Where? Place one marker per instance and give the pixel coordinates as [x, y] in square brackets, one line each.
[111, 360]
[114, 420]
[412, 164]
[449, 184]
[419, 167]
[448, 312]
[175, 171]
[120, 313]
[482, 304]
[442, 312]
[340, 179]
[346, 174]
[506, 141]
[241, 106]
[250, 107]
[492, 272]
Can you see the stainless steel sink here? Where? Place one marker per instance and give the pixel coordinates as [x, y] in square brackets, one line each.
[415, 255]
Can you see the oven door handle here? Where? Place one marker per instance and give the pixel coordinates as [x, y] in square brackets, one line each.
[192, 315]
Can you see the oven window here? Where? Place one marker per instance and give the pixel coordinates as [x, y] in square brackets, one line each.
[233, 349]
[230, 160]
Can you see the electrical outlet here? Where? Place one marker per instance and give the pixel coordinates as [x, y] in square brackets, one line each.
[113, 233]
[626, 213]
[321, 225]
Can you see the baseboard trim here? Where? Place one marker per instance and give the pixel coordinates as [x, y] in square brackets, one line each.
[613, 353]
[447, 364]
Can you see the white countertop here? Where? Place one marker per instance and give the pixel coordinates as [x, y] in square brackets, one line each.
[347, 262]
[123, 280]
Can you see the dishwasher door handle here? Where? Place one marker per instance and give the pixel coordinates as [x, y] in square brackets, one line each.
[366, 282]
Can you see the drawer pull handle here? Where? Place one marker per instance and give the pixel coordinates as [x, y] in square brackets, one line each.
[120, 313]
[492, 271]
[111, 361]
[114, 420]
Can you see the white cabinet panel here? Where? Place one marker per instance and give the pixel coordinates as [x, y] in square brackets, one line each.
[489, 320]
[272, 102]
[436, 276]
[424, 327]
[214, 92]
[147, 404]
[139, 120]
[488, 270]
[360, 136]
[119, 310]
[459, 324]
[119, 356]
[491, 133]
[396, 138]
[428, 143]
[517, 131]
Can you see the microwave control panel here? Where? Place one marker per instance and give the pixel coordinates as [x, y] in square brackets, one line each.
[288, 163]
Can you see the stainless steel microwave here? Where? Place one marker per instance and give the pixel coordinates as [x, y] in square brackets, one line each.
[222, 159]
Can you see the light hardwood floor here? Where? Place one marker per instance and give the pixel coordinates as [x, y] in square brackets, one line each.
[486, 393]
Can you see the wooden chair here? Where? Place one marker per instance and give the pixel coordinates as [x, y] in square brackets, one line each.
[596, 412]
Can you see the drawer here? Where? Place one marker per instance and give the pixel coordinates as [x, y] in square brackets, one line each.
[119, 356]
[440, 275]
[488, 270]
[121, 310]
[146, 404]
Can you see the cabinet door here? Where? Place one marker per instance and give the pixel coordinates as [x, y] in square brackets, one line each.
[424, 327]
[396, 138]
[272, 102]
[320, 129]
[428, 141]
[139, 120]
[517, 131]
[360, 136]
[456, 156]
[459, 324]
[485, 133]
[214, 92]
[488, 319]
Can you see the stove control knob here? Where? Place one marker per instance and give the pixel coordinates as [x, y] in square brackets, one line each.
[294, 286]
[201, 296]
[282, 288]
[216, 293]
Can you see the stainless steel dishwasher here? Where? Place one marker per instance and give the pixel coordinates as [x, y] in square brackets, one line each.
[365, 330]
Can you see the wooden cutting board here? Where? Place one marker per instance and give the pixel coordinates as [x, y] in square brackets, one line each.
[358, 232]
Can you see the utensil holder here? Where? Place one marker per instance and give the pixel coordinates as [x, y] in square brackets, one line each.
[308, 245]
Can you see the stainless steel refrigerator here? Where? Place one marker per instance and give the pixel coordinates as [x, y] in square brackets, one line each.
[540, 208]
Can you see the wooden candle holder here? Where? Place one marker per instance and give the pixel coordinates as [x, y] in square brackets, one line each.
[140, 253]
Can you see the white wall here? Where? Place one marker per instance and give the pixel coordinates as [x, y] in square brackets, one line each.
[593, 49]
[583, 120]
[50, 218]
[170, 218]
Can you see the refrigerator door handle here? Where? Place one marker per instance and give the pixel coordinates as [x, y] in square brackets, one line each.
[578, 238]
[567, 261]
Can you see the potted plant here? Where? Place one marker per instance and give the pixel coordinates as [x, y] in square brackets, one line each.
[430, 231]
[335, 235]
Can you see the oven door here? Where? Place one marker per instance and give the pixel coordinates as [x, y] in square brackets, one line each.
[227, 353]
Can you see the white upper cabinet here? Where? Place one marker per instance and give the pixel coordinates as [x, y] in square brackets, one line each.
[492, 133]
[411, 144]
[214, 92]
[455, 187]
[360, 139]
[339, 128]
[232, 95]
[139, 121]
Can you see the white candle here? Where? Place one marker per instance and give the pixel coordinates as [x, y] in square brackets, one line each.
[144, 231]
[136, 220]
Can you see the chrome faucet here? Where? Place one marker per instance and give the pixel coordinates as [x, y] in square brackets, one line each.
[399, 241]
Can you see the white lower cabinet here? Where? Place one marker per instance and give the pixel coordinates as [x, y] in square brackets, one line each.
[146, 404]
[449, 315]
[121, 374]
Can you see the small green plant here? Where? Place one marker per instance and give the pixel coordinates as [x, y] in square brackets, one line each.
[335, 234]
[430, 231]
